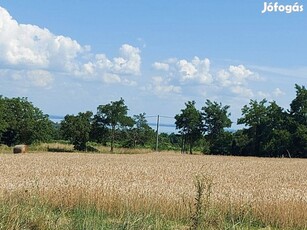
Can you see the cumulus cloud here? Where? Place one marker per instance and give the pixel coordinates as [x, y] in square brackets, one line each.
[40, 78]
[129, 62]
[162, 86]
[235, 75]
[161, 66]
[196, 70]
[196, 74]
[263, 94]
[111, 78]
[113, 71]
[223, 77]
[269, 95]
[28, 78]
[243, 91]
[278, 92]
[237, 78]
[31, 48]
[186, 71]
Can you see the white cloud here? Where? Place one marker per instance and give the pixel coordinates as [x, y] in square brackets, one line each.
[278, 92]
[195, 73]
[111, 78]
[102, 62]
[31, 48]
[129, 62]
[161, 66]
[223, 77]
[29, 78]
[263, 94]
[187, 69]
[242, 91]
[235, 75]
[269, 95]
[197, 70]
[129, 82]
[240, 72]
[161, 86]
[40, 78]
[237, 79]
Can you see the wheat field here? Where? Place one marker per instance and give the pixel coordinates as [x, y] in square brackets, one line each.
[273, 191]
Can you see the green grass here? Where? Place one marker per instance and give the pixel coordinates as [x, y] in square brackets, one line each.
[27, 210]
[5, 149]
[33, 213]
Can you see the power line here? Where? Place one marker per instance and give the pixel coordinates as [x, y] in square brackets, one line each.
[162, 125]
[158, 124]
[167, 117]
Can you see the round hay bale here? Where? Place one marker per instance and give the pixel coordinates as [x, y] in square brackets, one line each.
[20, 149]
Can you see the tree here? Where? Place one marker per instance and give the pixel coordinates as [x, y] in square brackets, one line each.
[276, 137]
[190, 125]
[274, 132]
[99, 132]
[3, 122]
[23, 123]
[115, 116]
[299, 105]
[77, 129]
[240, 143]
[298, 125]
[142, 132]
[215, 119]
[255, 117]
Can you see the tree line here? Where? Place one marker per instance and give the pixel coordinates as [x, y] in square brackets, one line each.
[269, 130]
[22, 122]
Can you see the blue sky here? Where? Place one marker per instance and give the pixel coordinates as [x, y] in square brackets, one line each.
[71, 56]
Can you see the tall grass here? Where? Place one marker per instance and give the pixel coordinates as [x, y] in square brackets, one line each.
[91, 148]
[151, 191]
[5, 149]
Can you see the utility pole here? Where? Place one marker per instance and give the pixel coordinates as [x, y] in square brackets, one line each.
[157, 140]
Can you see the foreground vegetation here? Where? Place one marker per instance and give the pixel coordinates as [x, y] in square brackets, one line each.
[151, 191]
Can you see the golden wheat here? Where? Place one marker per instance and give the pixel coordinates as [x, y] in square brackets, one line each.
[275, 190]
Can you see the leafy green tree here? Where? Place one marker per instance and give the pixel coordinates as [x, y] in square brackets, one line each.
[114, 115]
[164, 142]
[3, 122]
[190, 125]
[56, 134]
[299, 105]
[274, 132]
[298, 125]
[255, 117]
[77, 129]
[142, 132]
[175, 141]
[215, 118]
[277, 138]
[23, 122]
[240, 145]
[99, 132]
[299, 141]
